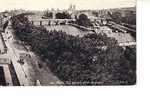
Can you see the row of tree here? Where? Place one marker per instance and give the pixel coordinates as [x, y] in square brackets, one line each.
[94, 59]
[127, 16]
[63, 15]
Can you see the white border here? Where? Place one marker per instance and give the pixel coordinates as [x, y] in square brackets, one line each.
[137, 92]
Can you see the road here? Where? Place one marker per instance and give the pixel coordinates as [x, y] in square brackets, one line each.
[18, 68]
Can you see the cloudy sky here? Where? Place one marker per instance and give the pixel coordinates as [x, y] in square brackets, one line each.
[64, 4]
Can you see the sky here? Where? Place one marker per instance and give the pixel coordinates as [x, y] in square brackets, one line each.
[64, 4]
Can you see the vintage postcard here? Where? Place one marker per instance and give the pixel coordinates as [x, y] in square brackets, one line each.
[67, 42]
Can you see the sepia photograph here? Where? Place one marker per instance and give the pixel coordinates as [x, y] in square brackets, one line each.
[68, 43]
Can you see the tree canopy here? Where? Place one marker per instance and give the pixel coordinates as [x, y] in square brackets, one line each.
[91, 58]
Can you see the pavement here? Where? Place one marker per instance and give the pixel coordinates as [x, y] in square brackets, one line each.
[18, 68]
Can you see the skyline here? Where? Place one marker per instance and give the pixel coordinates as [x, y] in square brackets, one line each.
[64, 4]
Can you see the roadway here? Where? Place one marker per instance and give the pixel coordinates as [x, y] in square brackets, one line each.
[18, 68]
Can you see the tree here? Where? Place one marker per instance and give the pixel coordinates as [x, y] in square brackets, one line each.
[83, 20]
[127, 16]
[79, 59]
[96, 14]
[48, 14]
[63, 15]
[116, 16]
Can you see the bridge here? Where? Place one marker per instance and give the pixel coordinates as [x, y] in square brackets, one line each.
[47, 22]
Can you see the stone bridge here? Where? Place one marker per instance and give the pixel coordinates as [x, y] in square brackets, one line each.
[47, 22]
